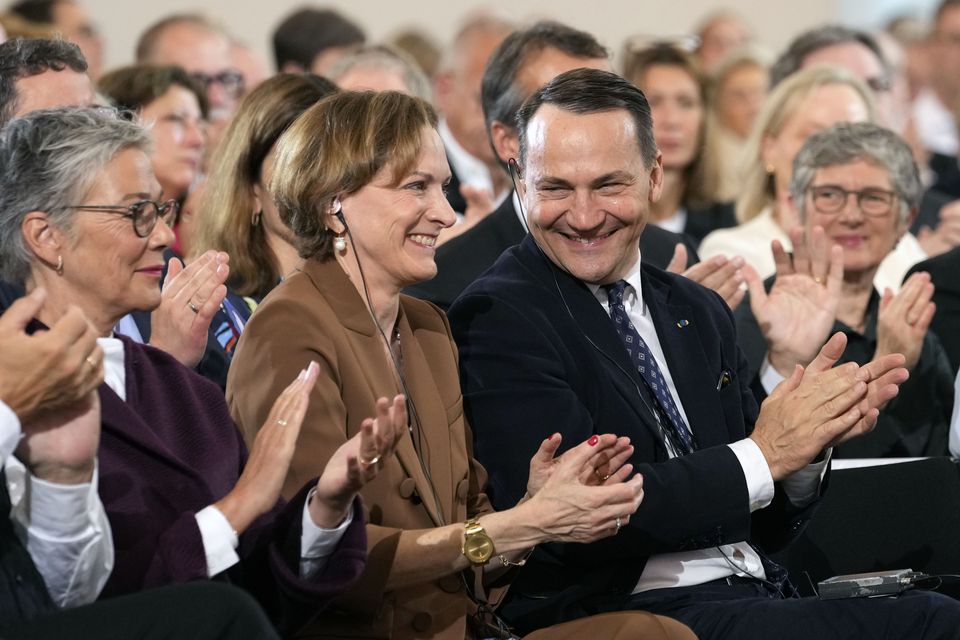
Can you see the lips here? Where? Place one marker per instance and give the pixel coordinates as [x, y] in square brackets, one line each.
[586, 242]
[850, 241]
[156, 270]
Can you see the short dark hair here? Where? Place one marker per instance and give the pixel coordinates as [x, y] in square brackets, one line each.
[584, 91]
[307, 32]
[25, 57]
[35, 10]
[812, 40]
[499, 94]
[133, 88]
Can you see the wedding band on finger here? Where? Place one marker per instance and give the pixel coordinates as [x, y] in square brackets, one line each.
[281, 422]
[818, 279]
[602, 476]
[91, 361]
[193, 307]
[618, 524]
[369, 463]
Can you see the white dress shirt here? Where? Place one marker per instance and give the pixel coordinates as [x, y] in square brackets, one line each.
[751, 241]
[470, 170]
[955, 421]
[936, 125]
[689, 568]
[63, 527]
[219, 539]
[675, 223]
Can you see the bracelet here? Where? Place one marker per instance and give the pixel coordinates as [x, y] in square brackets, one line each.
[519, 563]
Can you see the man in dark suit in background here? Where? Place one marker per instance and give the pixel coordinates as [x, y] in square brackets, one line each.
[944, 272]
[568, 332]
[522, 63]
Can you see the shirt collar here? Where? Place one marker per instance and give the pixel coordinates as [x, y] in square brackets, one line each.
[632, 296]
[469, 169]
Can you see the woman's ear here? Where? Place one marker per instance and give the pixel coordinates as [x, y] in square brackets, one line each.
[42, 238]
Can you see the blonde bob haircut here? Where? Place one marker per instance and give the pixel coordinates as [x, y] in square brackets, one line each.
[335, 149]
[758, 191]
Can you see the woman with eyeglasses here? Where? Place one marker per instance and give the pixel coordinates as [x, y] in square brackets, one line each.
[856, 189]
[185, 499]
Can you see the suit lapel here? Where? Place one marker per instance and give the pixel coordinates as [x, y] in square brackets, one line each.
[680, 339]
[367, 346]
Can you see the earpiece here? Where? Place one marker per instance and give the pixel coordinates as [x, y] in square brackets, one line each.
[515, 166]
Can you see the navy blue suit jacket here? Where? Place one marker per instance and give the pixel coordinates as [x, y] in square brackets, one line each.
[539, 354]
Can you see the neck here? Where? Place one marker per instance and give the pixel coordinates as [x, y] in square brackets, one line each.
[61, 297]
[284, 252]
[671, 195]
[384, 297]
[854, 297]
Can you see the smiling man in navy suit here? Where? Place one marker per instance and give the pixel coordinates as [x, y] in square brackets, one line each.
[569, 332]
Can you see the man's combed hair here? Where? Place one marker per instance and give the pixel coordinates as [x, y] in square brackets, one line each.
[499, 94]
[584, 91]
[25, 57]
[306, 33]
[791, 60]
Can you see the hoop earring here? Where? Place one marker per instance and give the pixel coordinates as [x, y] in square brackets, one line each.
[59, 265]
[255, 222]
[339, 243]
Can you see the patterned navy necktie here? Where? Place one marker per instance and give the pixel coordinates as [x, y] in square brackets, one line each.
[649, 370]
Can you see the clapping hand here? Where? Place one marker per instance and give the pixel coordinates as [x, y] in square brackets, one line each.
[358, 461]
[609, 465]
[904, 319]
[723, 275]
[797, 315]
[190, 298]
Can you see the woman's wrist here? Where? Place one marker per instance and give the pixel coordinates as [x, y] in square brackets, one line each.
[327, 514]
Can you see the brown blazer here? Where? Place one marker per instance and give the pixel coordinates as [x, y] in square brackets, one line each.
[317, 314]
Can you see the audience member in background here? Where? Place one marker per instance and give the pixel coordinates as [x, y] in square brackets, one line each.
[184, 500]
[913, 35]
[522, 63]
[420, 46]
[248, 63]
[856, 188]
[13, 26]
[936, 107]
[806, 102]
[173, 108]
[364, 198]
[238, 211]
[37, 74]
[738, 88]
[202, 49]
[379, 68]
[71, 21]
[313, 39]
[719, 35]
[676, 89]
[474, 169]
[943, 270]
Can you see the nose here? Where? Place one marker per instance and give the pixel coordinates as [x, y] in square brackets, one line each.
[441, 212]
[162, 235]
[583, 215]
[851, 212]
[194, 134]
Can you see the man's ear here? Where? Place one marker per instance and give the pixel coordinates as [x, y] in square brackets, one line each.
[656, 178]
[42, 238]
[504, 139]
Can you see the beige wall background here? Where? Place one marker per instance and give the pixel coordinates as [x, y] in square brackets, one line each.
[775, 21]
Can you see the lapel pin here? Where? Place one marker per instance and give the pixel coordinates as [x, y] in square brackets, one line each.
[682, 323]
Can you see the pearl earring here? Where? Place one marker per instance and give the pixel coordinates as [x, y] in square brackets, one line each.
[339, 243]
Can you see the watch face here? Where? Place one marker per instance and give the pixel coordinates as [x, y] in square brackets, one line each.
[478, 548]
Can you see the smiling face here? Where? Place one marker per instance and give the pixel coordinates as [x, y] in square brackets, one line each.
[394, 226]
[587, 191]
[176, 128]
[108, 269]
[866, 240]
[677, 108]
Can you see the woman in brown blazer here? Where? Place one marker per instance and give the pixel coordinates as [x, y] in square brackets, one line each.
[359, 180]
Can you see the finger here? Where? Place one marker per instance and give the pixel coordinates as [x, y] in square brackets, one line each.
[547, 449]
[886, 299]
[734, 300]
[211, 304]
[835, 429]
[704, 272]
[188, 280]
[877, 368]
[829, 353]
[801, 251]
[819, 255]
[174, 268]
[22, 311]
[678, 263]
[620, 475]
[581, 456]
[758, 294]
[920, 304]
[842, 402]
[835, 275]
[781, 259]
[926, 317]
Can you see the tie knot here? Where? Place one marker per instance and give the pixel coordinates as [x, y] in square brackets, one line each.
[615, 291]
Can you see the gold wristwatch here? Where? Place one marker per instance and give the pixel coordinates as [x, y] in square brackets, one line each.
[477, 545]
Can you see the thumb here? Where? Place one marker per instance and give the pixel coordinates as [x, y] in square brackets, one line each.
[829, 353]
[678, 263]
[548, 449]
[21, 312]
[174, 267]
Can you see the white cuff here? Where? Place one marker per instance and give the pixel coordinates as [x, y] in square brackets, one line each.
[954, 441]
[769, 376]
[10, 432]
[316, 543]
[219, 540]
[60, 511]
[756, 472]
[803, 486]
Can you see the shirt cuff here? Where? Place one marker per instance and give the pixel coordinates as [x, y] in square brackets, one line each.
[219, 540]
[60, 511]
[769, 376]
[316, 543]
[10, 432]
[803, 487]
[760, 487]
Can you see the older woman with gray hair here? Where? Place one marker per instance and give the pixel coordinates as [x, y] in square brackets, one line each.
[856, 189]
[185, 499]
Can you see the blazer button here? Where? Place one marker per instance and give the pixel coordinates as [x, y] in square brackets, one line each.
[450, 584]
[422, 621]
[407, 488]
[463, 490]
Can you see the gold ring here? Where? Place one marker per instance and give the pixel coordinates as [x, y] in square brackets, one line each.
[818, 279]
[618, 523]
[193, 307]
[91, 362]
[602, 477]
[369, 463]
[281, 422]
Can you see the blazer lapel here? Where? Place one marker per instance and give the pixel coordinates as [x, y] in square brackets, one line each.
[367, 345]
[682, 346]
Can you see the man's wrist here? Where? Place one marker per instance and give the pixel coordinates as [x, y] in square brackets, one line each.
[328, 513]
[60, 474]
